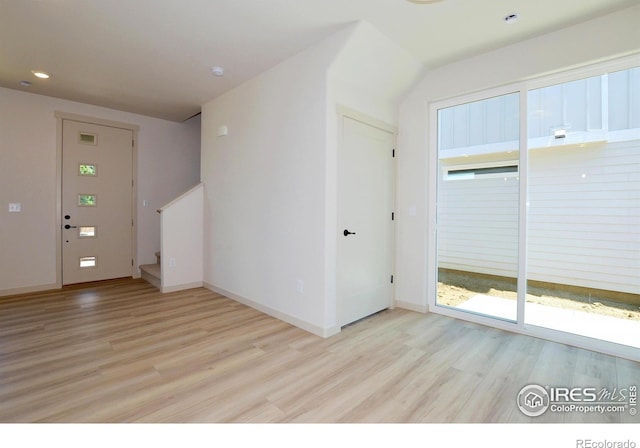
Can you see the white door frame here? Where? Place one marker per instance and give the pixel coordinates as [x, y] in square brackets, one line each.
[520, 326]
[60, 116]
[346, 112]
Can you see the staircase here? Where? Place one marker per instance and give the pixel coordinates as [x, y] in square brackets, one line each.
[181, 242]
[152, 272]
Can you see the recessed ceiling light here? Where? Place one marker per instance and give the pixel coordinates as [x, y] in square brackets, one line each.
[511, 18]
[40, 74]
[218, 71]
[25, 83]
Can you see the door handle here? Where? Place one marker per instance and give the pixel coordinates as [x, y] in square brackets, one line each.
[67, 226]
[347, 233]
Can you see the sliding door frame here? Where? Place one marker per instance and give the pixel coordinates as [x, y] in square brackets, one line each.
[519, 326]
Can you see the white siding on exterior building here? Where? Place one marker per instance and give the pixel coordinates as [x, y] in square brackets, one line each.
[583, 206]
[478, 225]
[584, 216]
[583, 219]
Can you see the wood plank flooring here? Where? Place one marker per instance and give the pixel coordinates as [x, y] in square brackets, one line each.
[120, 351]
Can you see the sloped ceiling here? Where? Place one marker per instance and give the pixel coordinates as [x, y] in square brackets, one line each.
[154, 57]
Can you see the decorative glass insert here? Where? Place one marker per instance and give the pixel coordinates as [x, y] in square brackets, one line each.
[87, 138]
[87, 232]
[87, 169]
[88, 262]
[87, 200]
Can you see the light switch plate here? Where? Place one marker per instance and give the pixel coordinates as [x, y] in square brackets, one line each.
[14, 207]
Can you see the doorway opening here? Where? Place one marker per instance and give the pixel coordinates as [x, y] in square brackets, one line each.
[96, 199]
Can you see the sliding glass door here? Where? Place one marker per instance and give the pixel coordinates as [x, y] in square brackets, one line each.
[583, 238]
[478, 206]
[537, 215]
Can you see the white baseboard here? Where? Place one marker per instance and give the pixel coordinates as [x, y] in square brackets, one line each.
[28, 289]
[295, 321]
[175, 288]
[412, 306]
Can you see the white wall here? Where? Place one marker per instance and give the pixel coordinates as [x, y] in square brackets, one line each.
[182, 241]
[265, 188]
[270, 197]
[369, 75]
[598, 39]
[167, 165]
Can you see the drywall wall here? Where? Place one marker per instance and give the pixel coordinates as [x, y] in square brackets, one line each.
[168, 164]
[265, 188]
[370, 75]
[182, 237]
[598, 39]
[270, 195]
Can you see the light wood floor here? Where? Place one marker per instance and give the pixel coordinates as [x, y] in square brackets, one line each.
[120, 351]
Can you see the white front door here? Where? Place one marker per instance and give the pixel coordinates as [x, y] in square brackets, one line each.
[97, 189]
[365, 206]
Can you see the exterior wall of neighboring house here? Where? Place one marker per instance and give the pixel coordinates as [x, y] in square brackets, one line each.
[583, 189]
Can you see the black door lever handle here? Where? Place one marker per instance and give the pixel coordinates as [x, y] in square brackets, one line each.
[347, 233]
[67, 226]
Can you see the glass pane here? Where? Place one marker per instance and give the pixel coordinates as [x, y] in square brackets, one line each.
[88, 262]
[87, 232]
[87, 170]
[87, 200]
[87, 138]
[478, 206]
[584, 210]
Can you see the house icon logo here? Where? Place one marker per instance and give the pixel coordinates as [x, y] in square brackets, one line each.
[533, 400]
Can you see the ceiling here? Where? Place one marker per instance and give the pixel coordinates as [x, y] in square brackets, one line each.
[154, 57]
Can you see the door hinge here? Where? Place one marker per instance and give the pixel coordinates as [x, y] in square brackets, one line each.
[132, 224]
[132, 262]
[393, 216]
[392, 279]
[133, 143]
[393, 153]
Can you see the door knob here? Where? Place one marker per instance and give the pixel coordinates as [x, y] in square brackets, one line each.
[347, 233]
[67, 226]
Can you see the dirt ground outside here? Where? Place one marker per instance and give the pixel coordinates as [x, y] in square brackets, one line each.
[455, 288]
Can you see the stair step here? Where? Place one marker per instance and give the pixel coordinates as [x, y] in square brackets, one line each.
[152, 274]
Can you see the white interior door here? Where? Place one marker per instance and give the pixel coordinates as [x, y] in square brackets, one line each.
[365, 207]
[97, 187]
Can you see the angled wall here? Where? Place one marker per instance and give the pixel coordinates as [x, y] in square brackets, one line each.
[270, 195]
[265, 188]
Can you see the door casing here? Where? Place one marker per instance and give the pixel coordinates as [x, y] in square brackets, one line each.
[60, 116]
[345, 112]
